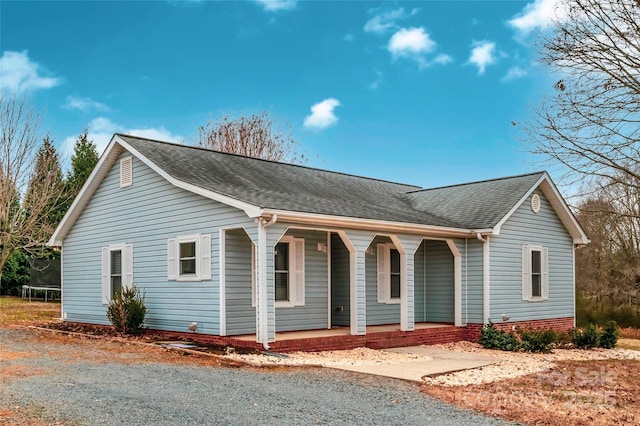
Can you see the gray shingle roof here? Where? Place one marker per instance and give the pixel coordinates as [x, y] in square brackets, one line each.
[294, 188]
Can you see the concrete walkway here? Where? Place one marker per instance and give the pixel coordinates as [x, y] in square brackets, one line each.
[443, 361]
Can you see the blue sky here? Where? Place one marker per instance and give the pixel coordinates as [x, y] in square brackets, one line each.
[421, 92]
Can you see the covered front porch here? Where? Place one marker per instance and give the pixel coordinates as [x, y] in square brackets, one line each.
[342, 288]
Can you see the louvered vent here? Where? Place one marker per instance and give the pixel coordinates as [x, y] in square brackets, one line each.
[535, 203]
[126, 172]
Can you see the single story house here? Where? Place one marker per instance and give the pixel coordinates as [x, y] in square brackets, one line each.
[227, 245]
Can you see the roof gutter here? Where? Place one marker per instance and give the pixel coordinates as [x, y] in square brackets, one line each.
[263, 317]
[486, 284]
[370, 224]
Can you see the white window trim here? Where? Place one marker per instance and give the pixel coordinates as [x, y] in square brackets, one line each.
[203, 258]
[384, 274]
[527, 289]
[296, 273]
[126, 251]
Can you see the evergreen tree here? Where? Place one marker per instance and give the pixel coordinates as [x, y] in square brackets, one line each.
[84, 159]
[47, 172]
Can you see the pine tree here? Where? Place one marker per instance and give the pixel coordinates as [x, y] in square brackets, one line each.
[84, 159]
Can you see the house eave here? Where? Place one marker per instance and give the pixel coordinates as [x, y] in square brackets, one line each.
[559, 206]
[371, 224]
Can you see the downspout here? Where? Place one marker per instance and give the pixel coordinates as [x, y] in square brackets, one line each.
[263, 317]
[485, 278]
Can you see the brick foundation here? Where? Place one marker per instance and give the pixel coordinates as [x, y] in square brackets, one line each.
[556, 324]
[445, 333]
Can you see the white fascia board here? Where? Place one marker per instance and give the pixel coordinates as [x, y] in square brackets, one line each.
[564, 212]
[496, 229]
[561, 208]
[249, 209]
[370, 224]
[106, 161]
[111, 153]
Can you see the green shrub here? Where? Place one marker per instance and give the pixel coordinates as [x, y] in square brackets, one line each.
[586, 338]
[609, 336]
[126, 310]
[537, 340]
[492, 338]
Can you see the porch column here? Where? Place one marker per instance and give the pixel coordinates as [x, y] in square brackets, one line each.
[457, 283]
[357, 242]
[407, 245]
[268, 234]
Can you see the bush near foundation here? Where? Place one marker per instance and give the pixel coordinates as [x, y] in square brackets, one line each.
[545, 340]
[126, 310]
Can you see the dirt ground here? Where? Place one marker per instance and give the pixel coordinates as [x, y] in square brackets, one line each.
[573, 393]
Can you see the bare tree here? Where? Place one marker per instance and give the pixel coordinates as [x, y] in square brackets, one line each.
[30, 180]
[591, 124]
[256, 135]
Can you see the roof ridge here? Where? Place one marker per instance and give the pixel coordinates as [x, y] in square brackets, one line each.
[270, 161]
[476, 182]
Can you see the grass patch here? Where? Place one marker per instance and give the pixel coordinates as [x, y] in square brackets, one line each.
[17, 311]
[633, 344]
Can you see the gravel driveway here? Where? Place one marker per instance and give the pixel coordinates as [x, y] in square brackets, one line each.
[84, 382]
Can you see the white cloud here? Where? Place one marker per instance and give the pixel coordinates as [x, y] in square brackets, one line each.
[514, 73]
[482, 55]
[84, 104]
[441, 59]
[276, 5]
[415, 44]
[385, 21]
[348, 37]
[18, 73]
[538, 15]
[322, 115]
[410, 42]
[101, 129]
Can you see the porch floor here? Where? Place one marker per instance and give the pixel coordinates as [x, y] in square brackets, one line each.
[339, 331]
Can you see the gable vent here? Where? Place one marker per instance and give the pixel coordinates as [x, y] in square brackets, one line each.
[126, 172]
[535, 203]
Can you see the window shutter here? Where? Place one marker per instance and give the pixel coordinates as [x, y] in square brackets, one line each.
[205, 257]
[297, 272]
[383, 273]
[545, 273]
[106, 284]
[172, 261]
[127, 266]
[526, 276]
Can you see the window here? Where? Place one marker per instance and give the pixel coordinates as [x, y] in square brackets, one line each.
[395, 273]
[288, 272]
[126, 172]
[389, 275]
[535, 273]
[117, 269]
[281, 256]
[189, 258]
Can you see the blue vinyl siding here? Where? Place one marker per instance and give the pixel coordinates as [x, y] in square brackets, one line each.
[146, 215]
[471, 251]
[526, 227]
[434, 283]
[340, 282]
[240, 315]
[314, 313]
